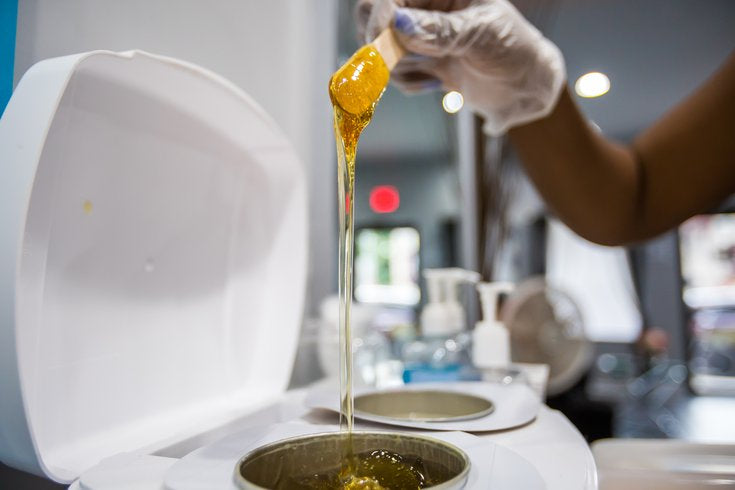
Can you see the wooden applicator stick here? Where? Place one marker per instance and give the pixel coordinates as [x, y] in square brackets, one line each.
[387, 45]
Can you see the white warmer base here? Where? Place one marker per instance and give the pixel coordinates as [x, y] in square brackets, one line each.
[550, 443]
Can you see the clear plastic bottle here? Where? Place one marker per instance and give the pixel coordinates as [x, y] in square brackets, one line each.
[442, 352]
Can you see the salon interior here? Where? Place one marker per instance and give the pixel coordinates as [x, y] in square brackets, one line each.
[172, 269]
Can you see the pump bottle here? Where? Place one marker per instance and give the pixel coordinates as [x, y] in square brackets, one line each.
[490, 338]
[444, 315]
[434, 316]
[442, 352]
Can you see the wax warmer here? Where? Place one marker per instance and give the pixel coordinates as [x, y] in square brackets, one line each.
[443, 464]
[152, 259]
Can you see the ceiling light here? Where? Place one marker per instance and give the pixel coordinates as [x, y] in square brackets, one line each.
[452, 102]
[593, 84]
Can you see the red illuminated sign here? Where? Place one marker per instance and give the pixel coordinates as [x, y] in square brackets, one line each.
[384, 199]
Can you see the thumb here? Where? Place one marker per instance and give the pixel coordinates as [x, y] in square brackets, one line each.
[430, 32]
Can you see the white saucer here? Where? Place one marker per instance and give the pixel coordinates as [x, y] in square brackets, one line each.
[212, 467]
[515, 405]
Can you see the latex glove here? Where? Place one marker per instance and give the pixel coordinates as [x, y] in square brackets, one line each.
[503, 66]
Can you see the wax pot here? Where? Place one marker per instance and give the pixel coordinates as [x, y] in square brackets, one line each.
[152, 259]
[444, 464]
[422, 405]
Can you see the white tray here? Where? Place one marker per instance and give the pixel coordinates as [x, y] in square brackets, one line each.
[515, 405]
[639, 464]
[211, 467]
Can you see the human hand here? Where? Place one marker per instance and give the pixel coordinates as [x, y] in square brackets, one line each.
[503, 66]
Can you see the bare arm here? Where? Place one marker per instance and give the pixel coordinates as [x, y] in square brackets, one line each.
[611, 193]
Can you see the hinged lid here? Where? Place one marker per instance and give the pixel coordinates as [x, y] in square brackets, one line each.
[152, 258]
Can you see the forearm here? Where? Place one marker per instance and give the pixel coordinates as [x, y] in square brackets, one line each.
[611, 193]
[689, 154]
[591, 184]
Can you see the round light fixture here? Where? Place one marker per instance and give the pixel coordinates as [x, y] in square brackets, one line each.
[593, 84]
[452, 102]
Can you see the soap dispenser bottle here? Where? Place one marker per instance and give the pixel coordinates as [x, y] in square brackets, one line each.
[456, 321]
[434, 315]
[490, 339]
[442, 351]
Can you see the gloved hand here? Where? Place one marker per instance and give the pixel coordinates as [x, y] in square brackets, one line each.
[485, 49]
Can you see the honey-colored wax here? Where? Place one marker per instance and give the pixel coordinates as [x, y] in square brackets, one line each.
[357, 86]
[354, 90]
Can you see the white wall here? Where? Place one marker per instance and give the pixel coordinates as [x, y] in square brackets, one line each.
[281, 52]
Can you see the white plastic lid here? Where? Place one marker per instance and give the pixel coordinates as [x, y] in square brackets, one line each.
[152, 258]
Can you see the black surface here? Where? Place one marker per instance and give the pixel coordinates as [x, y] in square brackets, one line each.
[593, 419]
[12, 479]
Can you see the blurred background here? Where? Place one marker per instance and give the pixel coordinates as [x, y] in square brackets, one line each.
[659, 314]
[433, 192]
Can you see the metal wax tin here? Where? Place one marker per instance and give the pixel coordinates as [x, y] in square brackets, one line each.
[319, 453]
[422, 406]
